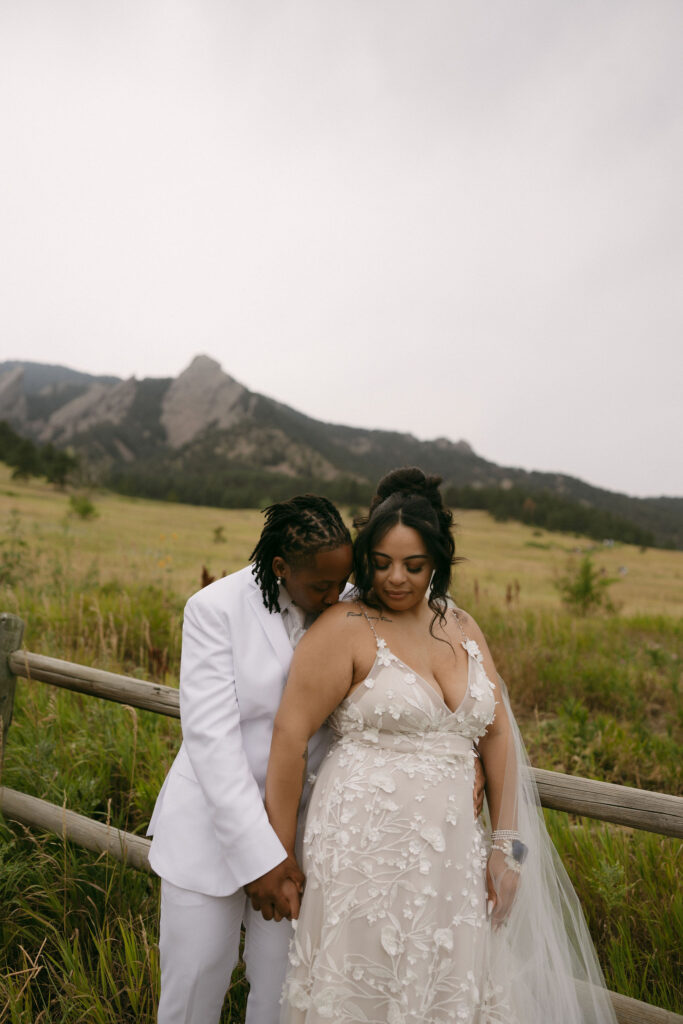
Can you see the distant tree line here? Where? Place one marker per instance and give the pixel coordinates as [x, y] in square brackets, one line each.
[28, 459]
[242, 486]
[233, 487]
[550, 512]
[251, 487]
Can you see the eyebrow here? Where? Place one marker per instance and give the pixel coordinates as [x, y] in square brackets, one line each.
[408, 558]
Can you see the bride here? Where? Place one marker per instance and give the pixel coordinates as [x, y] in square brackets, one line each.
[414, 909]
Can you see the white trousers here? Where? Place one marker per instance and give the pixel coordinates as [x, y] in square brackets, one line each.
[199, 945]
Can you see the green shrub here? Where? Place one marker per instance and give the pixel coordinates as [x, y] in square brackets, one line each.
[583, 588]
[80, 505]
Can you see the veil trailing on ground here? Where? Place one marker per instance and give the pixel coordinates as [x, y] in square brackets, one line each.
[542, 964]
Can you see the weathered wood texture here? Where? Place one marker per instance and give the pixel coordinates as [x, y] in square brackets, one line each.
[11, 633]
[133, 850]
[108, 685]
[93, 835]
[632, 1011]
[638, 808]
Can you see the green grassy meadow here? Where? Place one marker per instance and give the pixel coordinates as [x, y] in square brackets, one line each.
[596, 696]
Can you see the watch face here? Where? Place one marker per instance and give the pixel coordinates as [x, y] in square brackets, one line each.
[519, 851]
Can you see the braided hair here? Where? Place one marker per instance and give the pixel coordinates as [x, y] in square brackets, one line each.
[409, 497]
[296, 530]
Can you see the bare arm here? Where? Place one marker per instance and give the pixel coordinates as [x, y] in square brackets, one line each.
[495, 747]
[497, 752]
[319, 679]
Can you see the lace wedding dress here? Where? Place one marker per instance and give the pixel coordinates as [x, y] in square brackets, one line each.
[393, 925]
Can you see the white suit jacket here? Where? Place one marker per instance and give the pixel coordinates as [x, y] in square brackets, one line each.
[211, 831]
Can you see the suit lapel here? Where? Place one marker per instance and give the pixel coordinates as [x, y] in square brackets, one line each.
[272, 625]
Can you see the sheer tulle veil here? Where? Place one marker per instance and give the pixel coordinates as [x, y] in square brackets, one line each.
[541, 959]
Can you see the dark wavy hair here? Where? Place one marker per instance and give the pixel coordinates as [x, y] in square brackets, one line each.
[409, 497]
[296, 530]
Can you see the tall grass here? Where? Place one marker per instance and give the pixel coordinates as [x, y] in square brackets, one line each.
[629, 886]
[597, 697]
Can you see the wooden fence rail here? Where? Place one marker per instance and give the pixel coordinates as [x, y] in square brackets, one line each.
[622, 805]
[164, 700]
[636, 808]
[93, 835]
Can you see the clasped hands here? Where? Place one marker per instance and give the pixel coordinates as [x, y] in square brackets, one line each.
[277, 894]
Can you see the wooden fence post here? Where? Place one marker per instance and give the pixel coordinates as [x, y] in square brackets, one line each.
[11, 633]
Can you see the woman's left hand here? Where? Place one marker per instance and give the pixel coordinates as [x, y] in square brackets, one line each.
[502, 883]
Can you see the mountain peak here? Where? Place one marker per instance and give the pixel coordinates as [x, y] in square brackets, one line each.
[203, 395]
[203, 364]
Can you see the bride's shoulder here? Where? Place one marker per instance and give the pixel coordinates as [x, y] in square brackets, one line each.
[344, 615]
[469, 628]
[338, 635]
[468, 624]
[460, 615]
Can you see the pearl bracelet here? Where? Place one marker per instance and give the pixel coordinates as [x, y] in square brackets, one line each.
[507, 842]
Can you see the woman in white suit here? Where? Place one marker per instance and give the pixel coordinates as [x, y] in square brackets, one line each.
[219, 859]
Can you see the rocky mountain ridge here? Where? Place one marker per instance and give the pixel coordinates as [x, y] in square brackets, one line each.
[203, 437]
[202, 400]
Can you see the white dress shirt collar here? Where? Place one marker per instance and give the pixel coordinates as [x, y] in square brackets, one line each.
[296, 621]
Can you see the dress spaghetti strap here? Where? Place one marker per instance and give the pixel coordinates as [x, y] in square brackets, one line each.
[369, 622]
[460, 625]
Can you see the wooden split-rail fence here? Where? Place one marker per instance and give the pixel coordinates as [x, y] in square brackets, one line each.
[622, 805]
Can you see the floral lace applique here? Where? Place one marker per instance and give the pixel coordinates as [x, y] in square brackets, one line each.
[384, 655]
[472, 648]
[477, 690]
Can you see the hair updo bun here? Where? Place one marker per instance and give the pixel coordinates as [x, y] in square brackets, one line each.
[410, 498]
[409, 480]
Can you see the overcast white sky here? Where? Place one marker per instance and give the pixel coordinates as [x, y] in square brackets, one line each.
[450, 217]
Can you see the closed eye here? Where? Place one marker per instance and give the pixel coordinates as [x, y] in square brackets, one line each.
[411, 568]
